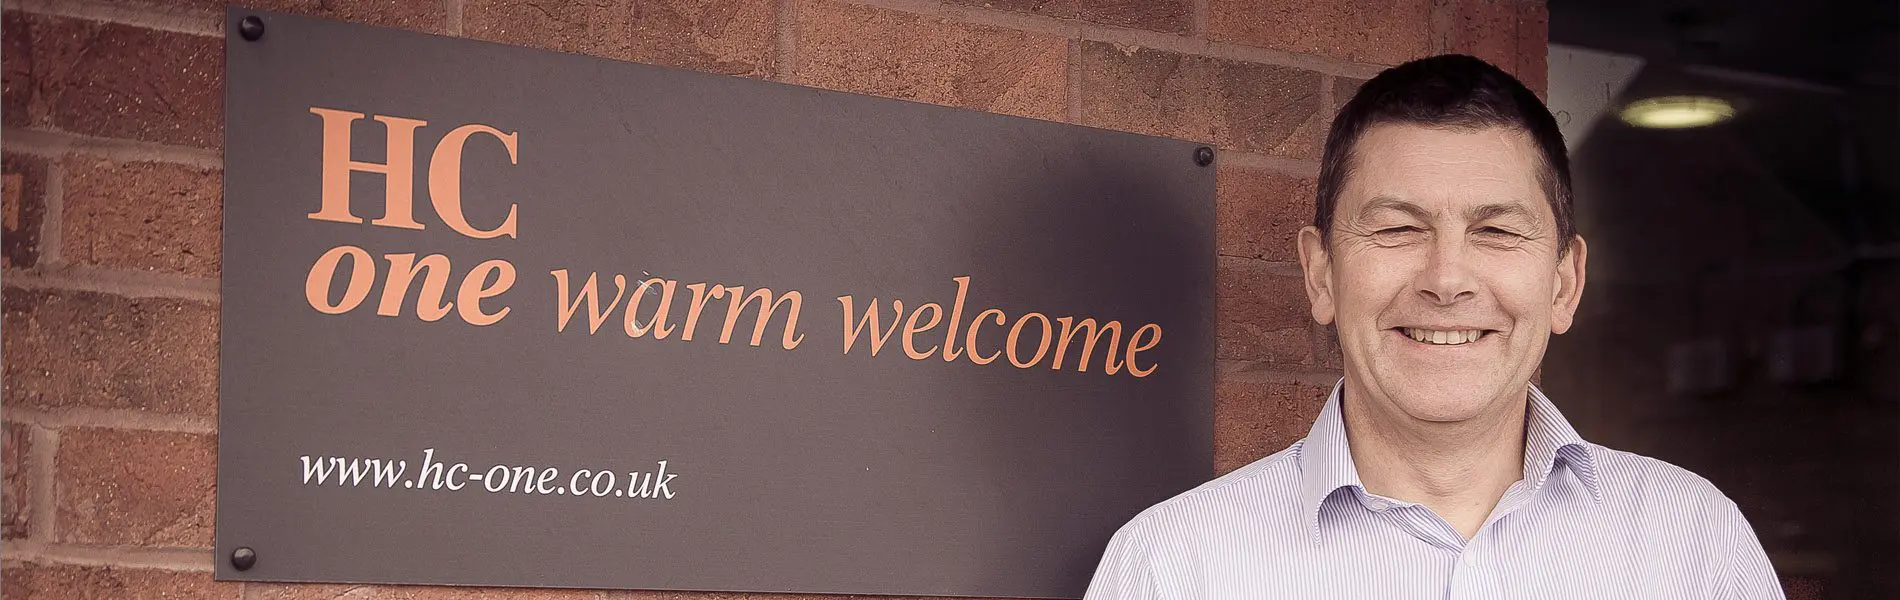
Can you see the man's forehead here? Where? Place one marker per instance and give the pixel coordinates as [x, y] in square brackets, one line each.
[1395, 142]
[1408, 168]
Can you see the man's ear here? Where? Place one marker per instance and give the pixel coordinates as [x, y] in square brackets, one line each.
[1316, 267]
[1570, 278]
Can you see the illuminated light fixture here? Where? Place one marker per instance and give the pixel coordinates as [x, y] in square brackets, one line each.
[1677, 112]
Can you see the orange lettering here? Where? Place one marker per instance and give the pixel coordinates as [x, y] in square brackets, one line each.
[316, 286]
[445, 181]
[1135, 345]
[588, 293]
[871, 318]
[911, 330]
[1114, 331]
[699, 305]
[474, 288]
[398, 172]
[657, 325]
[402, 271]
[1015, 331]
[969, 340]
[767, 306]
[950, 352]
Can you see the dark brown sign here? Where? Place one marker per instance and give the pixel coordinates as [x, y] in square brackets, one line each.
[498, 316]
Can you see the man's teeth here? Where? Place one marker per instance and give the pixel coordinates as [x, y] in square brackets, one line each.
[1445, 338]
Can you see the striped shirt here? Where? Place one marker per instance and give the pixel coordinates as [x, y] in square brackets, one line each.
[1584, 522]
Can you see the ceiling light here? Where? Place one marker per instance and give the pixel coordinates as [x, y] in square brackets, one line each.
[1677, 112]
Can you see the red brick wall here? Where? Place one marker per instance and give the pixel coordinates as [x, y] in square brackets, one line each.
[113, 116]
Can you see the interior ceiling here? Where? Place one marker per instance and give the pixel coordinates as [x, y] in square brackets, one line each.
[1838, 43]
[1816, 86]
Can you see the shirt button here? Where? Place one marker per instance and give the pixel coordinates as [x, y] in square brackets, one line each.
[1471, 559]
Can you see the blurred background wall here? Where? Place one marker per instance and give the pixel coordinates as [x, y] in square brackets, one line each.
[1742, 317]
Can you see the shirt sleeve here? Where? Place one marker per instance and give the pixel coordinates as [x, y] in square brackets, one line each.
[1747, 574]
[1129, 570]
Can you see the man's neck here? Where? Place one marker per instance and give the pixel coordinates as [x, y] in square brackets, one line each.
[1459, 470]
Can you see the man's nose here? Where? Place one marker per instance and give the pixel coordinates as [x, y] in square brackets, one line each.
[1447, 278]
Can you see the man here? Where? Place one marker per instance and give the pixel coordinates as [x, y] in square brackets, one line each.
[1443, 252]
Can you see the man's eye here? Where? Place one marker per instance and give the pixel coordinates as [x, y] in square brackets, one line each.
[1402, 235]
[1500, 238]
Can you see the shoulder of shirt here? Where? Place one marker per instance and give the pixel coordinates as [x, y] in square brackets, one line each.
[1275, 475]
[1630, 476]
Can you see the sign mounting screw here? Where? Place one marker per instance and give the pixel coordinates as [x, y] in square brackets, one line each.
[1203, 156]
[243, 558]
[251, 28]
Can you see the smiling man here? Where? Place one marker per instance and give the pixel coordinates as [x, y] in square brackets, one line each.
[1443, 252]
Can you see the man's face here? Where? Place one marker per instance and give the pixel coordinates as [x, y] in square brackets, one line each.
[1442, 274]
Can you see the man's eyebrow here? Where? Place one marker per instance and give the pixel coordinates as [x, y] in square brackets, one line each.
[1483, 212]
[1393, 203]
[1488, 212]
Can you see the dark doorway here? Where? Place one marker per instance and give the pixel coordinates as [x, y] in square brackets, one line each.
[1742, 317]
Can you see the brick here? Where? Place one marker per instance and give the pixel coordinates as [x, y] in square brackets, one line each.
[1486, 29]
[1343, 89]
[16, 72]
[1326, 351]
[1262, 313]
[730, 37]
[113, 80]
[416, 15]
[603, 29]
[67, 348]
[146, 216]
[1254, 419]
[1308, 141]
[1235, 105]
[911, 57]
[1276, 346]
[29, 581]
[291, 591]
[1511, 34]
[1173, 16]
[1533, 47]
[1258, 214]
[1386, 32]
[119, 487]
[24, 209]
[17, 496]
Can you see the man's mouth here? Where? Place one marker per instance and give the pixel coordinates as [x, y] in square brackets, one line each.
[1444, 337]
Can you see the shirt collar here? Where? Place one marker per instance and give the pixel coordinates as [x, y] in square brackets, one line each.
[1326, 458]
[1549, 438]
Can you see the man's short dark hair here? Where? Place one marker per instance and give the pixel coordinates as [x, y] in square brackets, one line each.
[1451, 91]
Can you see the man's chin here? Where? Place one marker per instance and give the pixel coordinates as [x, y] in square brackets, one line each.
[1444, 399]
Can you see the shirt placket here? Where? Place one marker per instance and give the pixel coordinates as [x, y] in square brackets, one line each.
[1479, 569]
[1476, 574]
[1421, 523]
[1476, 564]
